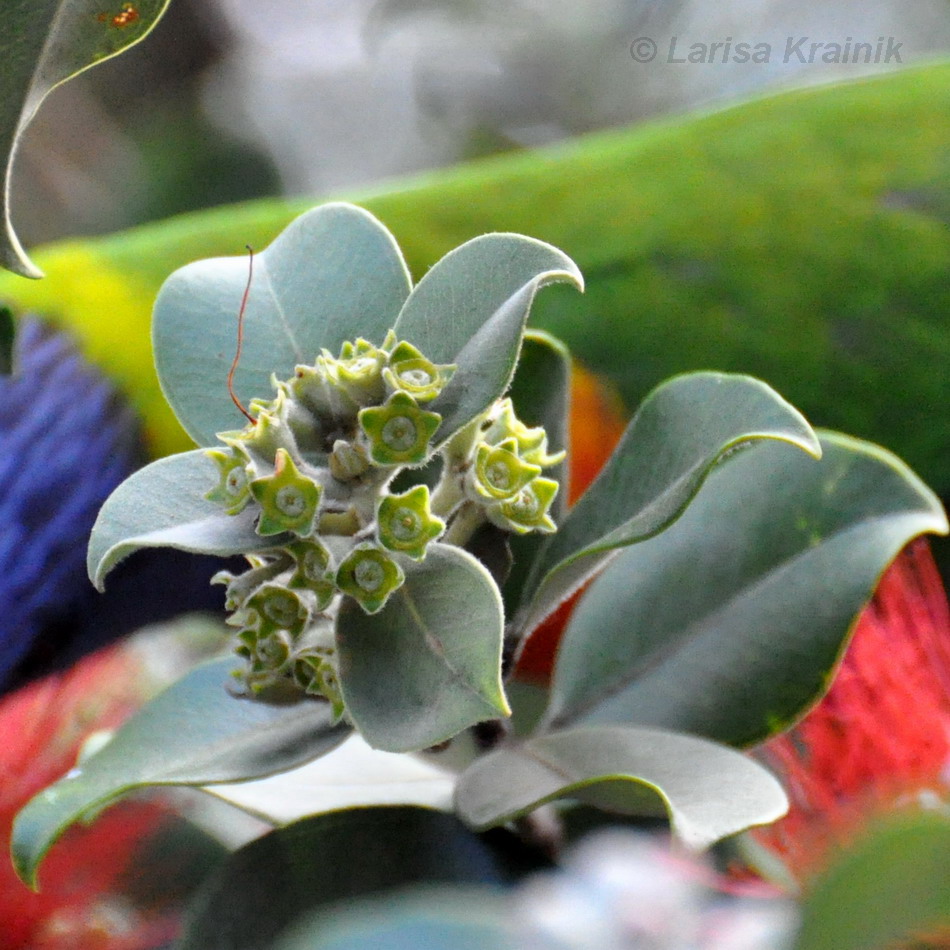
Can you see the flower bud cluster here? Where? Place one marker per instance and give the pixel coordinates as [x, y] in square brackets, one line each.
[317, 466]
[499, 470]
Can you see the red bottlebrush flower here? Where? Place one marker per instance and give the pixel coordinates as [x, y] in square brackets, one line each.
[595, 427]
[880, 738]
[80, 906]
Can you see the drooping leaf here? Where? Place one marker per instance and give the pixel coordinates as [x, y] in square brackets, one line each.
[43, 43]
[429, 663]
[271, 884]
[729, 624]
[671, 445]
[333, 275]
[438, 918]
[470, 309]
[197, 732]
[462, 291]
[708, 791]
[892, 885]
[164, 505]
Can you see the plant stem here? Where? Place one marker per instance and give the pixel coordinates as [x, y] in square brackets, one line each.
[468, 519]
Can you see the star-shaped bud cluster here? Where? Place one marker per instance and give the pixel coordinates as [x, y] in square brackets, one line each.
[504, 476]
[314, 471]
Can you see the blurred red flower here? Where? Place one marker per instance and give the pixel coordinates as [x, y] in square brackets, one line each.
[880, 738]
[81, 905]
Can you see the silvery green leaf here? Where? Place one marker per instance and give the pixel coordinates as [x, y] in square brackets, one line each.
[682, 430]
[163, 505]
[334, 274]
[729, 623]
[470, 309]
[428, 664]
[708, 791]
[194, 733]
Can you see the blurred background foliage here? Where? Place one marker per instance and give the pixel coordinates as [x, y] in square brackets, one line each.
[801, 238]
[231, 99]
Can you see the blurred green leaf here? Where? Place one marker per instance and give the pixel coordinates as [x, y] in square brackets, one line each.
[43, 43]
[429, 663]
[844, 186]
[729, 623]
[194, 733]
[889, 886]
[683, 428]
[333, 275]
[268, 886]
[164, 505]
[707, 790]
[456, 918]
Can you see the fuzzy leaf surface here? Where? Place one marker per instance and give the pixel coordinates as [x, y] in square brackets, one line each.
[729, 624]
[334, 274]
[266, 887]
[429, 663]
[471, 308]
[684, 427]
[44, 43]
[163, 505]
[708, 791]
[194, 733]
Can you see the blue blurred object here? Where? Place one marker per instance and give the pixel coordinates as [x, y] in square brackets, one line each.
[66, 441]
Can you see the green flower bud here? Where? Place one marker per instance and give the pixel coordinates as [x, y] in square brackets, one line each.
[264, 439]
[312, 571]
[305, 427]
[528, 510]
[399, 432]
[358, 371]
[499, 473]
[241, 586]
[315, 673]
[369, 575]
[233, 489]
[410, 372]
[347, 461]
[274, 651]
[327, 402]
[405, 522]
[532, 441]
[289, 501]
[274, 607]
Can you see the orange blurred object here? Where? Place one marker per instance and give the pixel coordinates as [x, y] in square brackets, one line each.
[80, 906]
[596, 425]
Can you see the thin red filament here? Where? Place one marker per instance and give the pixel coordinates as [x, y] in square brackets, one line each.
[240, 337]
